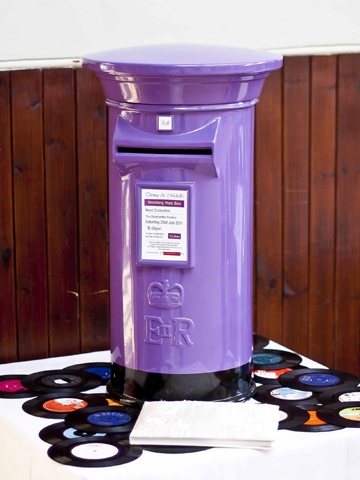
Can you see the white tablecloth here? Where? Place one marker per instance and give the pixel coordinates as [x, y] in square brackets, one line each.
[295, 456]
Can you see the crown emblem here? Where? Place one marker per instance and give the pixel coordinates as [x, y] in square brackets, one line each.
[165, 295]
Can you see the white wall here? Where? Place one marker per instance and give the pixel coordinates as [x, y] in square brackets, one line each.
[53, 29]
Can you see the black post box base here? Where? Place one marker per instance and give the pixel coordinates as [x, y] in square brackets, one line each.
[129, 385]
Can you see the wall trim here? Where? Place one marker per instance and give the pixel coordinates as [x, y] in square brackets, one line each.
[77, 63]
[40, 63]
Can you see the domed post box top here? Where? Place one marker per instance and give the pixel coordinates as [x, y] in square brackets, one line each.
[182, 74]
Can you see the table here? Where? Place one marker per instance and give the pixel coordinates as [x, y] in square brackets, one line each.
[295, 456]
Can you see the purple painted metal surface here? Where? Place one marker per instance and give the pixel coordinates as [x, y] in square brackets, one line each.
[166, 318]
[182, 74]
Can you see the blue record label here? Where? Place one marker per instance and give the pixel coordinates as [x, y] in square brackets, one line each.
[103, 372]
[266, 358]
[286, 393]
[319, 379]
[109, 419]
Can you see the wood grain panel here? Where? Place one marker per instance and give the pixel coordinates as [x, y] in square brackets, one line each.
[268, 208]
[60, 162]
[93, 212]
[347, 284]
[322, 209]
[8, 340]
[296, 202]
[29, 205]
[307, 255]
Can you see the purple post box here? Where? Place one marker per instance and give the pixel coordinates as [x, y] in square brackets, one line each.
[181, 127]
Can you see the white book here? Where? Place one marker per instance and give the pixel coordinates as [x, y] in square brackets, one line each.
[212, 424]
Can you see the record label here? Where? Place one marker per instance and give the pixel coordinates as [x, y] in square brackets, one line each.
[102, 370]
[64, 405]
[282, 416]
[103, 419]
[104, 373]
[109, 419]
[72, 433]
[314, 419]
[56, 405]
[272, 374]
[349, 397]
[316, 423]
[266, 358]
[11, 386]
[347, 415]
[352, 414]
[65, 379]
[94, 451]
[285, 393]
[114, 403]
[319, 379]
[55, 381]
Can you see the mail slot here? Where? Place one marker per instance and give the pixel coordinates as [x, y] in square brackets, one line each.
[181, 141]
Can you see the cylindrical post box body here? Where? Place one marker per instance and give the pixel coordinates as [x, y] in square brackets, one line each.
[181, 220]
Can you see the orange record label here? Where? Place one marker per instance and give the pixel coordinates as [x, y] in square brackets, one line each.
[64, 405]
[112, 403]
[314, 419]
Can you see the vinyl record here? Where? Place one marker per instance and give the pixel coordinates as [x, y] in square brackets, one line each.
[61, 381]
[102, 369]
[340, 394]
[94, 452]
[291, 417]
[259, 341]
[317, 379]
[172, 449]
[103, 419]
[109, 401]
[60, 432]
[11, 386]
[58, 405]
[270, 377]
[314, 423]
[274, 359]
[283, 396]
[115, 403]
[342, 414]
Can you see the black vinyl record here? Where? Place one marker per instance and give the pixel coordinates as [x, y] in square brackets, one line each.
[103, 419]
[315, 423]
[101, 369]
[317, 379]
[279, 395]
[259, 341]
[11, 386]
[268, 359]
[60, 432]
[342, 414]
[58, 405]
[341, 394]
[94, 452]
[291, 417]
[61, 381]
[172, 449]
[271, 377]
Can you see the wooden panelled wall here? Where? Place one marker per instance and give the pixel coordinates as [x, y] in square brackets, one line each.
[54, 297]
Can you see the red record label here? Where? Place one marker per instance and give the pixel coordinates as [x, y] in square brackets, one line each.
[273, 374]
[62, 405]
